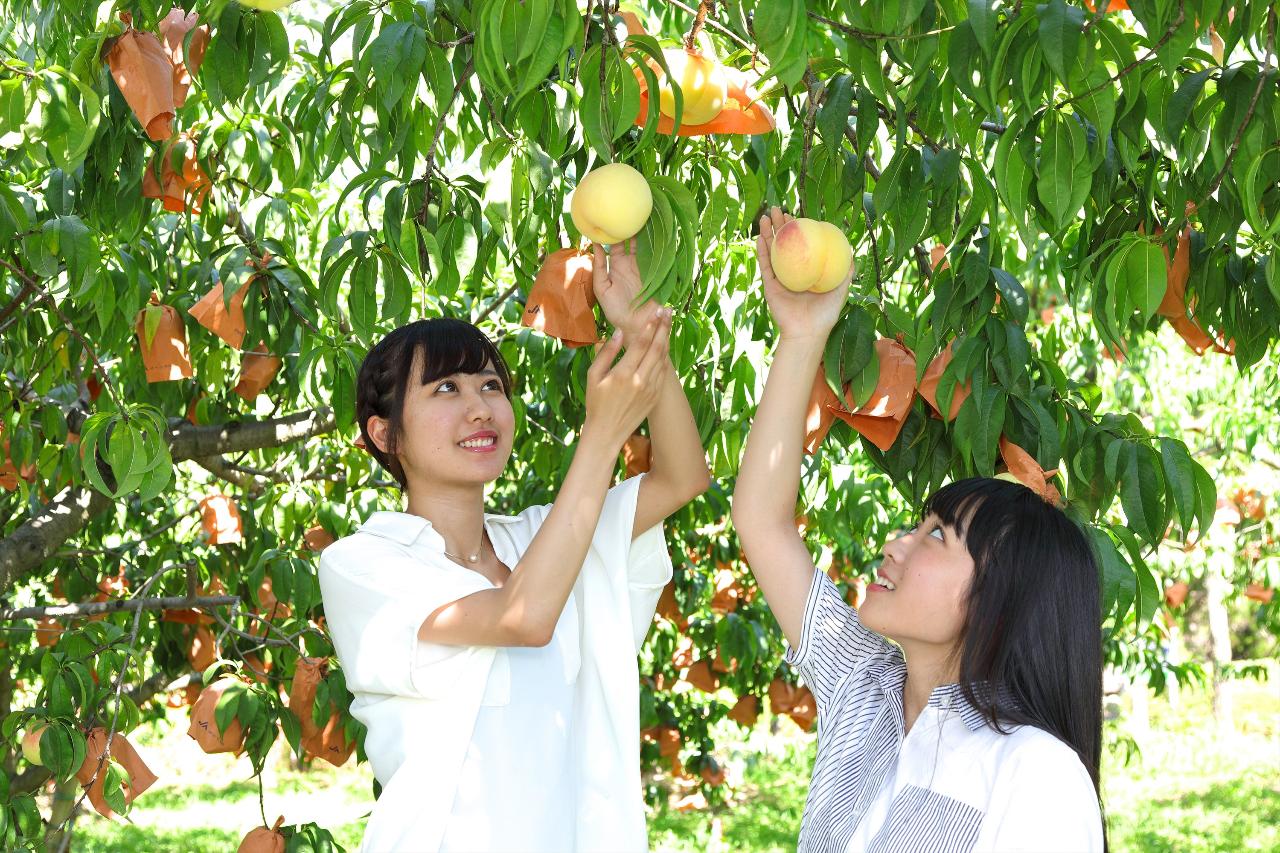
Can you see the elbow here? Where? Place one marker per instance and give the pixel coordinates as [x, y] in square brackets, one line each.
[700, 482]
[531, 635]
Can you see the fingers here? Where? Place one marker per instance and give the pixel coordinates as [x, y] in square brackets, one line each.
[599, 269]
[637, 348]
[604, 358]
[655, 355]
[777, 217]
[766, 229]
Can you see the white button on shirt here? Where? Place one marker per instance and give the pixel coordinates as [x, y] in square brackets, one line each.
[951, 785]
[440, 718]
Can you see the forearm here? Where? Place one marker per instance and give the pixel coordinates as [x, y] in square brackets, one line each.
[535, 595]
[679, 460]
[769, 477]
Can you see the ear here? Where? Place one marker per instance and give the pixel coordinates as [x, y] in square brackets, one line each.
[379, 431]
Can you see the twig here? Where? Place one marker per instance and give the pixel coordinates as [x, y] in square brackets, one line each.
[13, 69]
[495, 304]
[870, 36]
[1253, 104]
[119, 605]
[44, 294]
[875, 254]
[715, 25]
[435, 142]
[704, 7]
[1164, 39]
[810, 117]
[22, 295]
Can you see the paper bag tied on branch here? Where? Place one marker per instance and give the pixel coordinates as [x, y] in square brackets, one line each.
[929, 385]
[143, 72]
[880, 418]
[561, 302]
[163, 342]
[173, 30]
[138, 777]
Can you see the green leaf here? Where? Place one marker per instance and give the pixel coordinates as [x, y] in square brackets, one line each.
[1142, 492]
[1145, 272]
[1180, 477]
[982, 18]
[1060, 28]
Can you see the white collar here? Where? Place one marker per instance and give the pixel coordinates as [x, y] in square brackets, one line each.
[409, 529]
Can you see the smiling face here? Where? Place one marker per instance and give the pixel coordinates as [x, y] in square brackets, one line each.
[920, 597]
[456, 429]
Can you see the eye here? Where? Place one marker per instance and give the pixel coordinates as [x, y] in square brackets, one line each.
[447, 385]
[493, 385]
[938, 532]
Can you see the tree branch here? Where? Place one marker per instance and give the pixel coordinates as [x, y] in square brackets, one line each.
[67, 514]
[118, 605]
[1253, 104]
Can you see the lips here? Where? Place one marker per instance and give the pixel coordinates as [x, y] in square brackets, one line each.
[480, 442]
[882, 584]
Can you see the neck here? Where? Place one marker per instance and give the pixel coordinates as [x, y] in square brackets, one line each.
[456, 512]
[928, 667]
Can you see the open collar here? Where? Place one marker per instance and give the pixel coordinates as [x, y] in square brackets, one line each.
[413, 530]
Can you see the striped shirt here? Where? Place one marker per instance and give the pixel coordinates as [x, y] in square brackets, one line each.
[952, 784]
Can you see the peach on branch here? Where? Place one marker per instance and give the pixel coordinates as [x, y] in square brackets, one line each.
[611, 204]
[702, 82]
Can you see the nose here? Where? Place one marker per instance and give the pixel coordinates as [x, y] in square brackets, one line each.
[478, 408]
[896, 547]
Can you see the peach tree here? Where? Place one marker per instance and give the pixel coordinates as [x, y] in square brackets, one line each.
[209, 211]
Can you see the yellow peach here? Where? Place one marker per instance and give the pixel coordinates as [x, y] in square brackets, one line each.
[810, 255]
[266, 5]
[702, 82]
[611, 204]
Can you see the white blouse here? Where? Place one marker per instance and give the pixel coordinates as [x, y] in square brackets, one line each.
[529, 736]
[434, 712]
[952, 784]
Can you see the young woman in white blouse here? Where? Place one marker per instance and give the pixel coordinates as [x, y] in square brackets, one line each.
[980, 727]
[493, 658]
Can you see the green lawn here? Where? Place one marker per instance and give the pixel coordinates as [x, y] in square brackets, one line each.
[1189, 790]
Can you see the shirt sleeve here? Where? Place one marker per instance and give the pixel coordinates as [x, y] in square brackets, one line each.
[644, 558]
[833, 642]
[374, 617]
[1043, 801]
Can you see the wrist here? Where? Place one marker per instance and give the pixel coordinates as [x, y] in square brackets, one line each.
[596, 443]
[810, 339]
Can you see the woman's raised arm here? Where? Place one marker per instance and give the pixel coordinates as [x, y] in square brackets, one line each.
[764, 499]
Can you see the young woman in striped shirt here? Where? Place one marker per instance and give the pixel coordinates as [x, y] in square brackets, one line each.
[979, 726]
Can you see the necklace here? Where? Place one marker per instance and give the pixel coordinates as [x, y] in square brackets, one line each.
[470, 558]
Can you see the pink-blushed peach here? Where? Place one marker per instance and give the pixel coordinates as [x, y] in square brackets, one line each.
[810, 255]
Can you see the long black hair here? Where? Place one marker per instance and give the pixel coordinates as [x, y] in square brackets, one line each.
[447, 346]
[1031, 652]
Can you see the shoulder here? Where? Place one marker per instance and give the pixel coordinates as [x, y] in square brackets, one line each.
[359, 554]
[1028, 753]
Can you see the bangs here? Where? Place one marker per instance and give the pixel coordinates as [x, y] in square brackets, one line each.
[446, 347]
[982, 510]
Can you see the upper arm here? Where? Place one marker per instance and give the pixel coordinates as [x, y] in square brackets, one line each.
[783, 568]
[657, 500]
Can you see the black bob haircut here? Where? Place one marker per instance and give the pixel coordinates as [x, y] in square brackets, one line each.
[1031, 652]
[442, 346]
